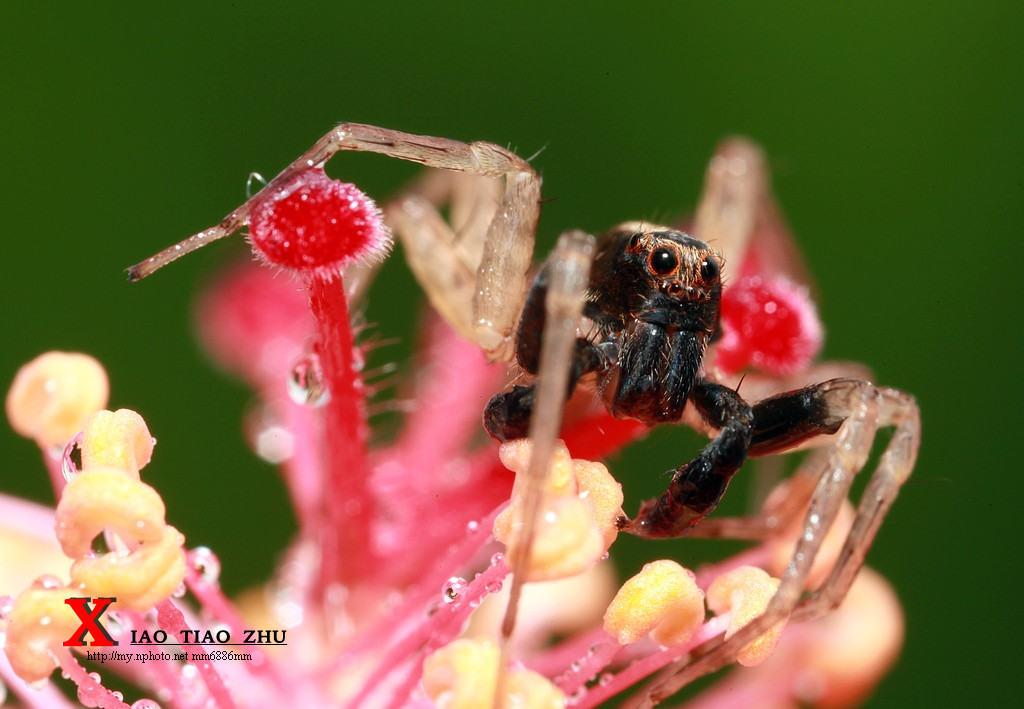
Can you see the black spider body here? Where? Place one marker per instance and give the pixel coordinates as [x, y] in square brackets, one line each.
[654, 297]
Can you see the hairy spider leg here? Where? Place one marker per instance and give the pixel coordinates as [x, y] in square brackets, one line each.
[774, 424]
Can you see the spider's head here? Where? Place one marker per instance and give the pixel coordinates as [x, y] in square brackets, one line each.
[657, 275]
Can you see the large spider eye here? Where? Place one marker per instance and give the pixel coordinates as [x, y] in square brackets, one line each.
[663, 261]
[709, 269]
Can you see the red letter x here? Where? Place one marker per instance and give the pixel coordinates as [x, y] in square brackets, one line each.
[90, 622]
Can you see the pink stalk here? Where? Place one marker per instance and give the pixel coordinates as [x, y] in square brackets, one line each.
[313, 226]
[445, 624]
[647, 666]
[171, 620]
[90, 691]
[346, 553]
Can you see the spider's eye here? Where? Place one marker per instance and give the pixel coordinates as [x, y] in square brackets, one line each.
[709, 269]
[663, 261]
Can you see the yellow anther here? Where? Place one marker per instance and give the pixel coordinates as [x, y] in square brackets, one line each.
[561, 479]
[566, 540]
[663, 600]
[107, 498]
[464, 673]
[38, 625]
[744, 593]
[603, 494]
[139, 580]
[117, 439]
[576, 524]
[53, 395]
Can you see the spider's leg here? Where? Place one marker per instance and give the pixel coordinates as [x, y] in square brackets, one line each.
[738, 216]
[697, 486]
[735, 183]
[501, 274]
[507, 415]
[564, 298]
[780, 422]
[863, 409]
[445, 257]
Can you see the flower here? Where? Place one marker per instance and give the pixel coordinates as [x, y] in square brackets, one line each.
[388, 591]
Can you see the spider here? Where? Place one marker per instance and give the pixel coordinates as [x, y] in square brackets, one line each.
[636, 311]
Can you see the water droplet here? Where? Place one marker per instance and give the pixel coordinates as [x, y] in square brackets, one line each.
[452, 588]
[472, 526]
[306, 382]
[497, 558]
[117, 695]
[258, 179]
[145, 704]
[204, 562]
[493, 586]
[605, 678]
[71, 458]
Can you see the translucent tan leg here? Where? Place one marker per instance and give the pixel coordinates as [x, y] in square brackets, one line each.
[570, 275]
[867, 408]
[501, 276]
[737, 212]
[445, 257]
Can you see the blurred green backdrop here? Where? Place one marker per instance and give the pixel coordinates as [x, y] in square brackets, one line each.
[895, 139]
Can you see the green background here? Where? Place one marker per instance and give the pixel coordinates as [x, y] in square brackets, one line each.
[895, 139]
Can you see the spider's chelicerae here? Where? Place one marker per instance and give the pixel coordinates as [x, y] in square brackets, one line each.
[636, 312]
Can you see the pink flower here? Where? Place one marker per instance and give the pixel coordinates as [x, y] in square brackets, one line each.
[392, 590]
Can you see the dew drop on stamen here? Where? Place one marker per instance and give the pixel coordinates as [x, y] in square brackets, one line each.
[145, 704]
[254, 177]
[452, 588]
[497, 558]
[204, 562]
[71, 458]
[306, 382]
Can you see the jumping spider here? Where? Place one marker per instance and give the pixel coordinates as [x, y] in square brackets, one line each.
[650, 297]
